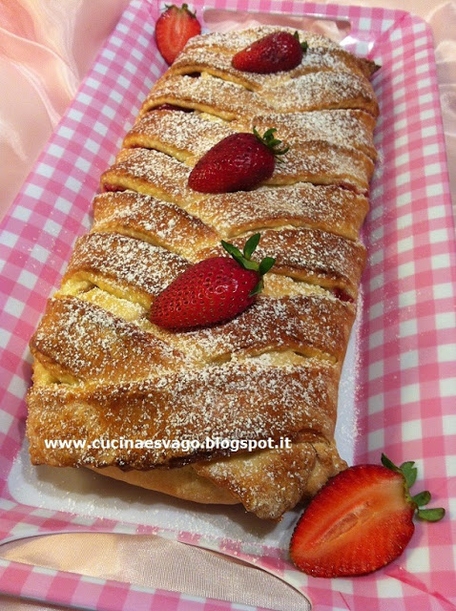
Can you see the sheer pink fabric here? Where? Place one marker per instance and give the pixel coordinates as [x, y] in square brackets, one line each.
[47, 46]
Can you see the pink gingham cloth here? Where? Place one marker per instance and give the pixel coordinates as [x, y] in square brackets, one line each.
[405, 391]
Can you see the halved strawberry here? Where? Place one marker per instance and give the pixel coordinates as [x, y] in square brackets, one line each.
[275, 52]
[213, 290]
[361, 520]
[239, 162]
[173, 30]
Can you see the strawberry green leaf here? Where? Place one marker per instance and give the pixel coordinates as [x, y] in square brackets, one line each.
[257, 289]
[407, 469]
[266, 264]
[232, 250]
[247, 264]
[386, 462]
[245, 261]
[431, 515]
[251, 245]
[304, 45]
[422, 498]
[410, 472]
[269, 140]
[239, 257]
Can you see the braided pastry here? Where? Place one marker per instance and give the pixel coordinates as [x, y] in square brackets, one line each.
[103, 371]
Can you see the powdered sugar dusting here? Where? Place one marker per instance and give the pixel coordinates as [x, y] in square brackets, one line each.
[330, 208]
[324, 90]
[127, 263]
[184, 135]
[153, 220]
[103, 370]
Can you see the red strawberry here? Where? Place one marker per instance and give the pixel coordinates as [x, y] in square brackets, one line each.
[213, 290]
[173, 29]
[276, 52]
[361, 520]
[239, 162]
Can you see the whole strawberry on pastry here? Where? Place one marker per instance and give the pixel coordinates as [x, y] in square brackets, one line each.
[239, 162]
[174, 28]
[213, 290]
[276, 52]
[360, 521]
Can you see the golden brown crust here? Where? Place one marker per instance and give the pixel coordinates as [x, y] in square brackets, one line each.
[212, 55]
[344, 127]
[196, 133]
[184, 135]
[123, 265]
[313, 256]
[293, 475]
[328, 77]
[181, 482]
[328, 208]
[152, 220]
[219, 402]
[104, 372]
[81, 341]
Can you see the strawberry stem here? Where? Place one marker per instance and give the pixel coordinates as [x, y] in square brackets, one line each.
[183, 9]
[409, 473]
[304, 45]
[269, 140]
[244, 259]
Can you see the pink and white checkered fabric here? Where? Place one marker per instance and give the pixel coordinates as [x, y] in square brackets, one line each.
[406, 374]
